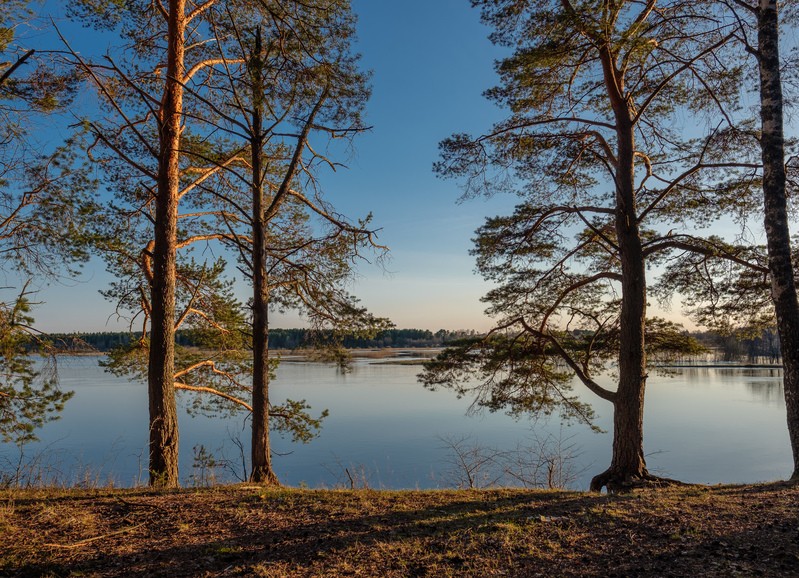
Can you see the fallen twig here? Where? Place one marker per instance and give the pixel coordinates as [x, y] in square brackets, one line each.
[94, 539]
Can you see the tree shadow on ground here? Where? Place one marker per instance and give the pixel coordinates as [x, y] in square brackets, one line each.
[486, 533]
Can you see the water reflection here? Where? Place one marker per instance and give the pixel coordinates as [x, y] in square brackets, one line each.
[762, 384]
[767, 392]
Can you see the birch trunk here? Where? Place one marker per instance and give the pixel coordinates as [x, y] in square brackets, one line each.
[783, 287]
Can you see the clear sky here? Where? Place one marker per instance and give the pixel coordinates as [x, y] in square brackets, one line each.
[431, 61]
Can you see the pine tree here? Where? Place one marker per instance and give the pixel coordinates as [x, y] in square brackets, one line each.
[592, 88]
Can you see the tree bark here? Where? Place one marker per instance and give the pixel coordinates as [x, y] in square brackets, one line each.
[161, 369]
[628, 466]
[783, 287]
[262, 471]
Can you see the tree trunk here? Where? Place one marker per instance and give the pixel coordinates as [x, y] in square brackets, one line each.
[627, 466]
[261, 453]
[161, 369]
[783, 288]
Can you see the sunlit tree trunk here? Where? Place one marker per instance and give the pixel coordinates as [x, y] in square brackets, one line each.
[783, 288]
[161, 369]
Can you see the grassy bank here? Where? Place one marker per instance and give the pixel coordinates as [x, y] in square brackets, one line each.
[248, 531]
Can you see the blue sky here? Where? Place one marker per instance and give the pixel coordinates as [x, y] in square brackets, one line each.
[431, 61]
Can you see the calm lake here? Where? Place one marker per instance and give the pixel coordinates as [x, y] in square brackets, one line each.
[706, 425]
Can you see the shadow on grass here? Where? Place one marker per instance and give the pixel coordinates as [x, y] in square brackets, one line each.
[514, 533]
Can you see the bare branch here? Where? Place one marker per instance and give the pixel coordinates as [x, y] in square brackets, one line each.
[20, 61]
[212, 391]
[199, 10]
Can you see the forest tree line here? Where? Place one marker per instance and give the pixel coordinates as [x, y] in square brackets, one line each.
[749, 346]
[104, 341]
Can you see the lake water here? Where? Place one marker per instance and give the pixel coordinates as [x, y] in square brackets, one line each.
[705, 425]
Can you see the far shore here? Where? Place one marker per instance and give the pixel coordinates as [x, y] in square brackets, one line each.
[418, 355]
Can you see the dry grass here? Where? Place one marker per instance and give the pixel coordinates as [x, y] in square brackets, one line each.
[250, 531]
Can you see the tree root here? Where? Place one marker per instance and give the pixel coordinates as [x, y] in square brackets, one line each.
[618, 483]
[265, 477]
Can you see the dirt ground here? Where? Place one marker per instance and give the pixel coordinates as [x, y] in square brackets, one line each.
[722, 531]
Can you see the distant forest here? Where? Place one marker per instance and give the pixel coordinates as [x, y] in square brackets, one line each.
[278, 339]
[745, 347]
[742, 346]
